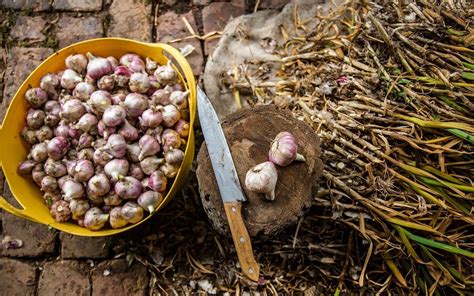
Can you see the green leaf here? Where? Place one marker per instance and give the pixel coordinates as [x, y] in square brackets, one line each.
[467, 65]
[456, 32]
[468, 75]
[403, 81]
[461, 134]
[437, 245]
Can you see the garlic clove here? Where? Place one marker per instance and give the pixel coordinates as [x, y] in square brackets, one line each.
[262, 178]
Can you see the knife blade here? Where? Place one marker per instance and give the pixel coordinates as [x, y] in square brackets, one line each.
[228, 182]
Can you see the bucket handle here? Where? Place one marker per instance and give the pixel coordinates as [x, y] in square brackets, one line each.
[4, 204]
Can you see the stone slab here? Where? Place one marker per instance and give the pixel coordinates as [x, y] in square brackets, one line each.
[35, 5]
[114, 277]
[78, 5]
[37, 239]
[17, 277]
[28, 28]
[74, 29]
[64, 277]
[139, 25]
[75, 247]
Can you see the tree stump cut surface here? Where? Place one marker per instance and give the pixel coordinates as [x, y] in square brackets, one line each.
[249, 133]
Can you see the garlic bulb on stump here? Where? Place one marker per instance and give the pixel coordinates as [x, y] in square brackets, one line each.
[262, 178]
[284, 150]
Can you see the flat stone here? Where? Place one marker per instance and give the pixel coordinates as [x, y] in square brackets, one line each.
[73, 246]
[35, 5]
[18, 278]
[78, 5]
[64, 277]
[130, 19]
[114, 277]
[272, 4]
[37, 238]
[29, 28]
[171, 26]
[21, 62]
[215, 17]
[74, 29]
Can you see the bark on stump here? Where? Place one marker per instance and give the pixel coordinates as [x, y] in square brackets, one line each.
[249, 133]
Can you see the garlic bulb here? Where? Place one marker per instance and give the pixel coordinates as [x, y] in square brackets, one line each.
[284, 150]
[60, 211]
[115, 219]
[132, 212]
[150, 200]
[262, 178]
[78, 208]
[95, 219]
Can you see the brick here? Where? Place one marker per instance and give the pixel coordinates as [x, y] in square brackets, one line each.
[215, 17]
[21, 62]
[121, 279]
[74, 29]
[37, 238]
[73, 247]
[29, 29]
[78, 5]
[171, 26]
[18, 278]
[35, 5]
[130, 19]
[64, 277]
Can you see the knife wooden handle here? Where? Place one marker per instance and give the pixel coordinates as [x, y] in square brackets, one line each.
[242, 242]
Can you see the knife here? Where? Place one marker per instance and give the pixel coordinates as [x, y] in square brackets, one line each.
[228, 182]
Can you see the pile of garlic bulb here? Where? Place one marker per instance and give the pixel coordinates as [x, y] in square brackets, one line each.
[105, 137]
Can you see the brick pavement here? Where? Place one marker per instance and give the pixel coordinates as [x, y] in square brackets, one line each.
[49, 263]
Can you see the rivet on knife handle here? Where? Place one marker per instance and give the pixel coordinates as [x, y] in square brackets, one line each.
[242, 241]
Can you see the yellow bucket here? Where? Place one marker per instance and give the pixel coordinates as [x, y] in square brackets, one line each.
[13, 149]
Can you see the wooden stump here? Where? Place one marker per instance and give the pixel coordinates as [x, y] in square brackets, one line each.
[249, 133]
